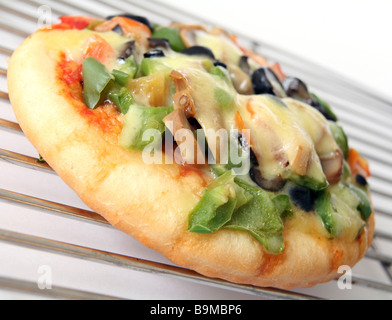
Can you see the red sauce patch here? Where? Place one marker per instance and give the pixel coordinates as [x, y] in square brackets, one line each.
[77, 22]
[105, 117]
[71, 71]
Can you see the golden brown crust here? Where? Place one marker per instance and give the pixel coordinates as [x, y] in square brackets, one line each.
[152, 203]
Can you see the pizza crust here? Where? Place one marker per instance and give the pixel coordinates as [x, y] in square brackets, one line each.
[152, 202]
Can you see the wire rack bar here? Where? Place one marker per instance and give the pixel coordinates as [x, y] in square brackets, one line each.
[18, 13]
[13, 30]
[51, 206]
[31, 288]
[4, 95]
[24, 160]
[138, 264]
[6, 51]
[10, 125]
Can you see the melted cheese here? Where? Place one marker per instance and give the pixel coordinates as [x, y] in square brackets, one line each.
[288, 137]
[282, 137]
[223, 48]
[74, 43]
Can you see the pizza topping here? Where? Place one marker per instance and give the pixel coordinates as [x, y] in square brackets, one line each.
[122, 98]
[216, 207]
[302, 197]
[361, 180]
[183, 133]
[199, 51]
[127, 50]
[183, 97]
[231, 203]
[153, 90]
[245, 66]
[298, 155]
[284, 150]
[99, 84]
[126, 70]
[157, 43]
[130, 28]
[188, 33]
[154, 54]
[96, 79]
[297, 89]
[358, 164]
[140, 19]
[172, 35]
[241, 80]
[338, 209]
[333, 166]
[265, 82]
[272, 184]
[97, 47]
[340, 138]
[142, 125]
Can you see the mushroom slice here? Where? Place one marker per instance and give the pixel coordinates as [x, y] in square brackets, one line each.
[181, 129]
[183, 97]
[241, 81]
[194, 96]
[302, 159]
[333, 166]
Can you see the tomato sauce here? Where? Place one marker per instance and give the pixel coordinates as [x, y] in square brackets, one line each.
[105, 117]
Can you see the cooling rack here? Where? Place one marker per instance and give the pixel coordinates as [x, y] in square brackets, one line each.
[53, 247]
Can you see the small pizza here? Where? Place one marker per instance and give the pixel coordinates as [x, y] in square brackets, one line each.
[197, 147]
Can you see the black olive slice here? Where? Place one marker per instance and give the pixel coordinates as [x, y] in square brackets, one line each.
[361, 180]
[303, 198]
[154, 54]
[140, 19]
[273, 185]
[265, 81]
[318, 106]
[297, 89]
[199, 51]
[218, 63]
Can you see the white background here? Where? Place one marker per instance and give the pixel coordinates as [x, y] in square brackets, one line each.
[351, 37]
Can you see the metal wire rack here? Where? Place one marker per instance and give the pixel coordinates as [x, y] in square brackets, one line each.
[44, 224]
